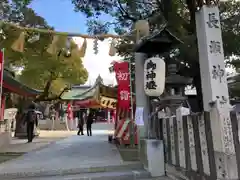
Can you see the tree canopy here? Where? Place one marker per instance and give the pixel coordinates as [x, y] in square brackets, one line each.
[40, 69]
[180, 19]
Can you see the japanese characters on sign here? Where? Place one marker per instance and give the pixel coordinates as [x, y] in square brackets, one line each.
[123, 79]
[215, 47]
[218, 73]
[109, 103]
[213, 20]
[211, 56]
[213, 75]
[151, 75]
[124, 95]
[122, 76]
[154, 76]
[226, 131]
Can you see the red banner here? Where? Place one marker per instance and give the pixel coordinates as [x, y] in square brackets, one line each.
[122, 75]
[70, 111]
[1, 66]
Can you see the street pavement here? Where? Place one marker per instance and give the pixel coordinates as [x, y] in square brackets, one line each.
[72, 156]
[21, 146]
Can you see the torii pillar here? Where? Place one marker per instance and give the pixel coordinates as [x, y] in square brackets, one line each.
[157, 43]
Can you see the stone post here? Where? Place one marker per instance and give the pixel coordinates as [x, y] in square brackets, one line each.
[215, 90]
[141, 101]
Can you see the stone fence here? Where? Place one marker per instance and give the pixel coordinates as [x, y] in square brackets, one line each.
[5, 133]
[188, 146]
[59, 125]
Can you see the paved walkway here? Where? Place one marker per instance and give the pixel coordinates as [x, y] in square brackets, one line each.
[46, 137]
[75, 158]
[71, 153]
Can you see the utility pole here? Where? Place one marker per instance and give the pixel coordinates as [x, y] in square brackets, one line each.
[132, 123]
[132, 126]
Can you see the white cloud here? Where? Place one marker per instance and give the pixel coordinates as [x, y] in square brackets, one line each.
[98, 63]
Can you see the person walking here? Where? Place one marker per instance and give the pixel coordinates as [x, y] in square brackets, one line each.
[52, 116]
[89, 123]
[80, 123]
[31, 119]
[70, 116]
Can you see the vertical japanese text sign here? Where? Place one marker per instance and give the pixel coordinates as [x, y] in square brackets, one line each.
[213, 76]
[122, 75]
[211, 56]
[1, 79]
[154, 76]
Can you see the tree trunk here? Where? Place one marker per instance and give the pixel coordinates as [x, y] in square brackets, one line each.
[47, 87]
[20, 130]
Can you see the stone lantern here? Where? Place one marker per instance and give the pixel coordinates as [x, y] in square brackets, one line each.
[174, 94]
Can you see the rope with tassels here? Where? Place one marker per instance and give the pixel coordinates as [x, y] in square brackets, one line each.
[141, 29]
[70, 34]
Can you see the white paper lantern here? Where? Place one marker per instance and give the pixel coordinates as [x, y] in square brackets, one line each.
[154, 76]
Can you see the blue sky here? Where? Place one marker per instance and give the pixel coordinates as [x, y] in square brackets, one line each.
[60, 14]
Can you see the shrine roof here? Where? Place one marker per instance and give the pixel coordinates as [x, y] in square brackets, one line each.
[72, 93]
[158, 42]
[98, 88]
[15, 86]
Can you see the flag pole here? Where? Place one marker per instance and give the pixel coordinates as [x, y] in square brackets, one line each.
[1, 82]
[131, 129]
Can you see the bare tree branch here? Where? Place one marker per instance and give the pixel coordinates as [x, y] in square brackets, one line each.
[124, 13]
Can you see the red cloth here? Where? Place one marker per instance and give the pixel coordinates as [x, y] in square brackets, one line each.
[113, 116]
[69, 111]
[86, 103]
[1, 66]
[2, 107]
[123, 78]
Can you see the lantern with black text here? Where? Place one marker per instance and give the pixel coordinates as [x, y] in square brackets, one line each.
[154, 76]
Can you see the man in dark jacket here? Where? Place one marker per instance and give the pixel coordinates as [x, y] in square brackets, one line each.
[80, 122]
[31, 118]
[89, 123]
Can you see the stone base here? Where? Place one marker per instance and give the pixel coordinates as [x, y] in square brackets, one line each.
[5, 134]
[5, 139]
[155, 157]
[142, 146]
[226, 166]
[129, 154]
[151, 154]
[187, 174]
[143, 153]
